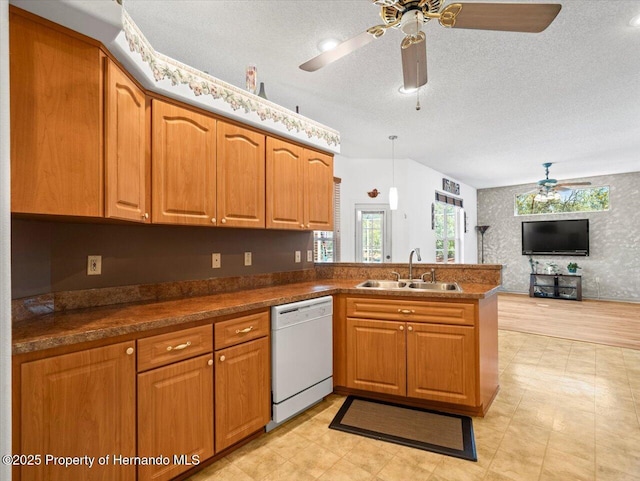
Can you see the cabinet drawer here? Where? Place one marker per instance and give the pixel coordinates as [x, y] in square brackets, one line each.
[174, 346]
[241, 329]
[417, 311]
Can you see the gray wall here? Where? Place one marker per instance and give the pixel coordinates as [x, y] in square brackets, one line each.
[52, 256]
[612, 270]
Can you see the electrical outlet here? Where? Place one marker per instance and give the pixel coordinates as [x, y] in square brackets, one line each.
[215, 261]
[247, 258]
[94, 265]
[310, 255]
[298, 258]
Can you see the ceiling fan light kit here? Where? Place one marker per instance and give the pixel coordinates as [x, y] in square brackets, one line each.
[548, 188]
[410, 16]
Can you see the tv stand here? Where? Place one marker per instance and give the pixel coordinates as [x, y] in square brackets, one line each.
[556, 286]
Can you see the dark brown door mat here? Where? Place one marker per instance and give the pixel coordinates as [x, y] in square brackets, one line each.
[440, 433]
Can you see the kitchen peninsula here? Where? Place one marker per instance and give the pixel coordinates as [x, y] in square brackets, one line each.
[456, 330]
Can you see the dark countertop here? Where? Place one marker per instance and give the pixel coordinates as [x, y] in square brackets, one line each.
[82, 325]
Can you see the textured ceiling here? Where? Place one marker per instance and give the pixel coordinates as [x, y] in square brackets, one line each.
[497, 104]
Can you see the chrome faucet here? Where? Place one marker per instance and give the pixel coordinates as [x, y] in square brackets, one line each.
[397, 274]
[433, 275]
[417, 253]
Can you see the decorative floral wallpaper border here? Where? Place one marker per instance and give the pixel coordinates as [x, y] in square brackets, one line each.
[200, 83]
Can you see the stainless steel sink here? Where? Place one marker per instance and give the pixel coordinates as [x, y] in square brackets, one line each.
[434, 286]
[405, 285]
[374, 284]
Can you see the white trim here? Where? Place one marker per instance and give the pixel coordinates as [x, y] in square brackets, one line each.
[5, 245]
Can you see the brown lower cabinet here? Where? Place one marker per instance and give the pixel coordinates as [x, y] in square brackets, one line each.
[243, 391]
[80, 405]
[432, 351]
[175, 417]
[147, 404]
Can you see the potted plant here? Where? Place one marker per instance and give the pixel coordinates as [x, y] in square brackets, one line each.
[572, 267]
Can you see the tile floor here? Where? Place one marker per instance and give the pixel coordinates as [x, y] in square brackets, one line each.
[566, 411]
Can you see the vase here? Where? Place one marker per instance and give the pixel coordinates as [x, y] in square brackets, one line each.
[251, 78]
[261, 92]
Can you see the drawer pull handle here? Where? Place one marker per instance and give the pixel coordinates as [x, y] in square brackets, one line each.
[222, 358]
[406, 311]
[409, 328]
[129, 351]
[245, 330]
[401, 328]
[179, 347]
[210, 362]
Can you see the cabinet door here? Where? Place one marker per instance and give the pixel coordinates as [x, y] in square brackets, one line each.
[80, 404]
[241, 177]
[440, 363]
[183, 150]
[56, 121]
[175, 416]
[376, 356]
[126, 163]
[243, 391]
[285, 185]
[318, 182]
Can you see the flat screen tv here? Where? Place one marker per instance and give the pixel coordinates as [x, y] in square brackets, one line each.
[556, 237]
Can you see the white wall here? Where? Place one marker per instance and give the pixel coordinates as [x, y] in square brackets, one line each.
[411, 223]
[5, 251]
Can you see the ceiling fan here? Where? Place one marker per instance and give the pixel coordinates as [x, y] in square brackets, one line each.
[410, 15]
[549, 189]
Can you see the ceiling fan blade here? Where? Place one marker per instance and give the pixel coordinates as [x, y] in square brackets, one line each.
[510, 17]
[571, 184]
[345, 48]
[414, 65]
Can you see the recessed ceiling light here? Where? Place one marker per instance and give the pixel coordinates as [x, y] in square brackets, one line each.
[405, 91]
[328, 44]
[635, 21]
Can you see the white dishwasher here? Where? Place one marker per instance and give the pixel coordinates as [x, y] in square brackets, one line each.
[301, 356]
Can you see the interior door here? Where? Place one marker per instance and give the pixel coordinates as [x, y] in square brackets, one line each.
[373, 233]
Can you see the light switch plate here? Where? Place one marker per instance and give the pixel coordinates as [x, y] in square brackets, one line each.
[215, 261]
[247, 258]
[94, 265]
[298, 257]
[310, 255]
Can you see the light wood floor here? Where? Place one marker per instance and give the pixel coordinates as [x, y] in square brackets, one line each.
[603, 322]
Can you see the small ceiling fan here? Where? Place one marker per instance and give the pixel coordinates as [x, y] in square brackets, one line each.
[549, 189]
[410, 15]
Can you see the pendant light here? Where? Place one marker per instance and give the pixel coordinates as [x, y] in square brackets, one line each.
[393, 191]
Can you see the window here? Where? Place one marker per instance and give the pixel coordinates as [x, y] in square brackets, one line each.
[373, 233]
[590, 199]
[448, 225]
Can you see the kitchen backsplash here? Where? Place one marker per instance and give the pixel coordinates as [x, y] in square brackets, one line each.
[51, 256]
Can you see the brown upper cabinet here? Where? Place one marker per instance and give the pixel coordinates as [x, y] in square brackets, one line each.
[86, 141]
[183, 152]
[62, 87]
[56, 87]
[299, 187]
[240, 177]
[318, 188]
[127, 167]
[285, 185]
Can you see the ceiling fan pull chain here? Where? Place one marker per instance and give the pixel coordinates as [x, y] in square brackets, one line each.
[418, 84]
